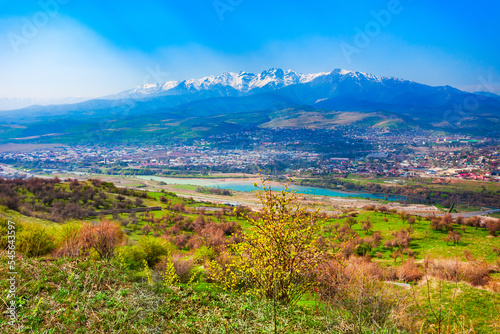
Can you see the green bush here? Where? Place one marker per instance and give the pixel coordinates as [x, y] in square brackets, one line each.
[130, 256]
[154, 248]
[150, 249]
[35, 240]
[204, 253]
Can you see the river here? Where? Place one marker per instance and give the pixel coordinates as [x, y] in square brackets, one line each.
[247, 185]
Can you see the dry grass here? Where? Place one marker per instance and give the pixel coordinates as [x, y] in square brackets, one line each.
[475, 272]
[357, 288]
[409, 271]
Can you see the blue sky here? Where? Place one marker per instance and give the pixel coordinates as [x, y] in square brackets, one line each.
[94, 48]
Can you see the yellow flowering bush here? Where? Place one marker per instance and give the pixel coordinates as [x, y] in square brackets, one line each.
[280, 252]
[170, 277]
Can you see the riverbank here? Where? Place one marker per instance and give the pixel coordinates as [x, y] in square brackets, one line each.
[330, 201]
[463, 195]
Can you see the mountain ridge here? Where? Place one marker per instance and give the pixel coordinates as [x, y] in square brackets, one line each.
[409, 103]
[243, 82]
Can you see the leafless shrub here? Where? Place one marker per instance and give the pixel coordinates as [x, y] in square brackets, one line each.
[230, 228]
[369, 207]
[473, 222]
[183, 267]
[401, 240]
[383, 209]
[493, 226]
[179, 207]
[366, 225]
[103, 237]
[409, 271]
[412, 220]
[453, 236]
[474, 272]
[356, 287]
[436, 224]
[468, 255]
[351, 221]
[477, 273]
[146, 229]
[181, 240]
[175, 229]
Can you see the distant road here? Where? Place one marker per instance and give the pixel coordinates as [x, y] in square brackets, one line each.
[476, 213]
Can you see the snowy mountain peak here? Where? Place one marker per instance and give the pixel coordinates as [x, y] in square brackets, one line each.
[243, 82]
[343, 72]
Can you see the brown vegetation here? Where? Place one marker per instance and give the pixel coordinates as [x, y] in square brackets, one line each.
[103, 238]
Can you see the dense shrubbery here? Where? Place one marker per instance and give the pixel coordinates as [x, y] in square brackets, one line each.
[475, 272]
[357, 287]
[59, 201]
[493, 226]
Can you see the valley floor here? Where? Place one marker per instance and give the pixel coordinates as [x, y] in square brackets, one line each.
[186, 187]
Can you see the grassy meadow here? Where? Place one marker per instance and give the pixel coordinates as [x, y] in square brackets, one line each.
[386, 272]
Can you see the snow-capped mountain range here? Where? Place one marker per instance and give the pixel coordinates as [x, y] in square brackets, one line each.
[276, 89]
[335, 90]
[242, 82]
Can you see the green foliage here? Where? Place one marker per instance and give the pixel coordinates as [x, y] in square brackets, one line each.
[154, 248]
[424, 240]
[470, 310]
[130, 256]
[35, 240]
[205, 253]
[125, 304]
[103, 297]
[58, 201]
[149, 249]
